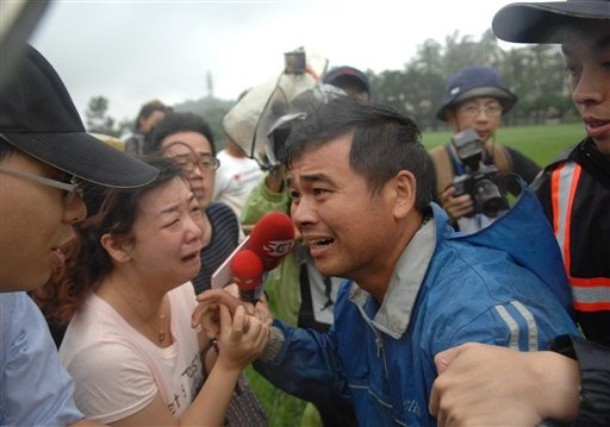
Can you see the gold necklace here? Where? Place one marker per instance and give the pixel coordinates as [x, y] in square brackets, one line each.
[161, 331]
[161, 336]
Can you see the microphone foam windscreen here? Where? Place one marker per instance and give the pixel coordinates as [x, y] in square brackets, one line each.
[247, 269]
[272, 238]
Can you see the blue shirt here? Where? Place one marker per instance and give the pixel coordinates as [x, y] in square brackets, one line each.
[35, 389]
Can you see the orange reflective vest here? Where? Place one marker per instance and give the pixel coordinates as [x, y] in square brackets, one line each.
[590, 294]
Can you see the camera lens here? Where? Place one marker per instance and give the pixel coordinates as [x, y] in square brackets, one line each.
[488, 198]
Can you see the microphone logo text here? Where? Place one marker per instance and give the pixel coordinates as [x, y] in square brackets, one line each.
[278, 248]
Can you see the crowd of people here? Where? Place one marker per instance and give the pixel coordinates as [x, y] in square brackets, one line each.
[465, 285]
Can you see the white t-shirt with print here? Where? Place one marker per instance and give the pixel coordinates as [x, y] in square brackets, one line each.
[118, 371]
[235, 179]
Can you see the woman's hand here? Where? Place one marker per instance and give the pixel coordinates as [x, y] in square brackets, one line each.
[242, 338]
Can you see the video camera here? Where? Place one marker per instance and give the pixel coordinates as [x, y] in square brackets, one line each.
[481, 181]
[297, 110]
[295, 62]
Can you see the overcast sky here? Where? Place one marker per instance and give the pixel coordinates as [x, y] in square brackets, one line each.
[131, 51]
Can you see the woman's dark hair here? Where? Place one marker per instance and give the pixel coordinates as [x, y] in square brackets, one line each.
[111, 211]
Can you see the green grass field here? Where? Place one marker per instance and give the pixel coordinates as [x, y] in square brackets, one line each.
[540, 143]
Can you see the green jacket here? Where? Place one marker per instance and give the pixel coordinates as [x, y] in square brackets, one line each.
[282, 283]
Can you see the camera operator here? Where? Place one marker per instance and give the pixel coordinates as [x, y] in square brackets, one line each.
[474, 99]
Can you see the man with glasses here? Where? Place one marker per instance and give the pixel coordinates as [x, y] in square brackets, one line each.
[475, 99]
[44, 153]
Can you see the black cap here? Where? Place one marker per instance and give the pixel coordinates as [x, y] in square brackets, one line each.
[335, 75]
[38, 117]
[473, 82]
[544, 22]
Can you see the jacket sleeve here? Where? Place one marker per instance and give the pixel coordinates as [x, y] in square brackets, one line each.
[262, 201]
[35, 388]
[594, 364]
[283, 290]
[304, 363]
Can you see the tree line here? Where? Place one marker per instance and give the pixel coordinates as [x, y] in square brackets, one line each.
[535, 73]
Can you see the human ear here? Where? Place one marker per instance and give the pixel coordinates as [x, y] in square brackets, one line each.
[118, 249]
[404, 190]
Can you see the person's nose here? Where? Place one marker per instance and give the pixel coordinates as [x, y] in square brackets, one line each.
[303, 213]
[194, 229]
[199, 169]
[482, 115]
[195, 171]
[590, 88]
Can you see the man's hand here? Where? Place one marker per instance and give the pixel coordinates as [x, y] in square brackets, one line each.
[207, 315]
[481, 384]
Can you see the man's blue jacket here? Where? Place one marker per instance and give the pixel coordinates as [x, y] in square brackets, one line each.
[503, 285]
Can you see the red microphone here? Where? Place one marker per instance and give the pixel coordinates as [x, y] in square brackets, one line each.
[272, 238]
[247, 270]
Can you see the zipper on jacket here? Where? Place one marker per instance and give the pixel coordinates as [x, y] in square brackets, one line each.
[380, 350]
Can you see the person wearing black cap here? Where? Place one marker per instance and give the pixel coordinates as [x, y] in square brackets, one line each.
[45, 154]
[485, 385]
[349, 79]
[475, 99]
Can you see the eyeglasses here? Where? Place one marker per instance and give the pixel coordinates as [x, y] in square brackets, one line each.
[473, 110]
[73, 187]
[188, 163]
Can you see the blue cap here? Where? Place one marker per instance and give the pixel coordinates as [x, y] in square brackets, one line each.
[474, 82]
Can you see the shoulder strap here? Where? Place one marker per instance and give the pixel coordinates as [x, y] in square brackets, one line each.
[443, 167]
[502, 159]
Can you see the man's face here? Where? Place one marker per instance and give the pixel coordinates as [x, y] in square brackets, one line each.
[36, 220]
[482, 114]
[587, 57]
[189, 149]
[348, 230]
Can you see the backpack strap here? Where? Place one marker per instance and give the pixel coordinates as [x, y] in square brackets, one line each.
[502, 159]
[443, 167]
